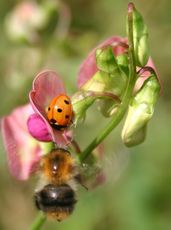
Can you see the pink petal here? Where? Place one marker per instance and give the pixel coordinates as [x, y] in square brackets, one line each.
[88, 67]
[145, 75]
[38, 128]
[46, 86]
[60, 139]
[23, 152]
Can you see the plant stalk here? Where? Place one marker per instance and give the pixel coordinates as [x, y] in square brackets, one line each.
[39, 221]
[126, 98]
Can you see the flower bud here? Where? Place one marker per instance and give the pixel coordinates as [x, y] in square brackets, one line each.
[106, 61]
[109, 79]
[140, 38]
[140, 112]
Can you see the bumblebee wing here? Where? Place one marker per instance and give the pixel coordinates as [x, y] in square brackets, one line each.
[79, 179]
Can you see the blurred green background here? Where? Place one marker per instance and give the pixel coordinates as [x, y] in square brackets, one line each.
[137, 192]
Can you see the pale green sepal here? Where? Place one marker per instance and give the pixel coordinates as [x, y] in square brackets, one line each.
[106, 61]
[81, 101]
[122, 61]
[107, 107]
[98, 83]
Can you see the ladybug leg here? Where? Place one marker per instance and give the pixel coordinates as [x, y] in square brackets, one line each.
[72, 119]
[76, 146]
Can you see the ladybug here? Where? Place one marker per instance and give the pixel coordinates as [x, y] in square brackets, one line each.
[60, 113]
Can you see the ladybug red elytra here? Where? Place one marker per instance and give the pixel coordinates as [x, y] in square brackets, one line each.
[60, 113]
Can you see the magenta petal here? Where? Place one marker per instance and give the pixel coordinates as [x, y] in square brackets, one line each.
[23, 152]
[88, 67]
[38, 128]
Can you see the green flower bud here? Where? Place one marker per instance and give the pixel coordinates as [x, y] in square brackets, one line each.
[140, 112]
[106, 61]
[140, 38]
[109, 79]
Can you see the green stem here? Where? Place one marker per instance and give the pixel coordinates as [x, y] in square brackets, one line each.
[112, 124]
[123, 107]
[39, 221]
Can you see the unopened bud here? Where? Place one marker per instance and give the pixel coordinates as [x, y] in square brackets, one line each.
[140, 112]
[109, 79]
[140, 38]
[106, 61]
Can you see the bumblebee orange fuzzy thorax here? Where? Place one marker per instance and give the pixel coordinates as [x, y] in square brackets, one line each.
[58, 166]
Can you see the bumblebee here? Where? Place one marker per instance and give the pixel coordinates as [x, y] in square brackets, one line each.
[56, 191]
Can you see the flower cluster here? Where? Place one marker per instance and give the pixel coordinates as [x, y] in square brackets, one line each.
[118, 75]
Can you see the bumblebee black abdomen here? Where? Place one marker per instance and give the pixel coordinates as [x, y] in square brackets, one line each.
[57, 201]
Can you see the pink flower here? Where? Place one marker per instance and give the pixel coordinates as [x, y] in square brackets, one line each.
[24, 21]
[46, 86]
[23, 151]
[89, 68]
[120, 45]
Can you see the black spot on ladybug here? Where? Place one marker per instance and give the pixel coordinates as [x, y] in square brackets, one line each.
[49, 109]
[66, 102]
[59, 110]
[53, 121]
[66, 116]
